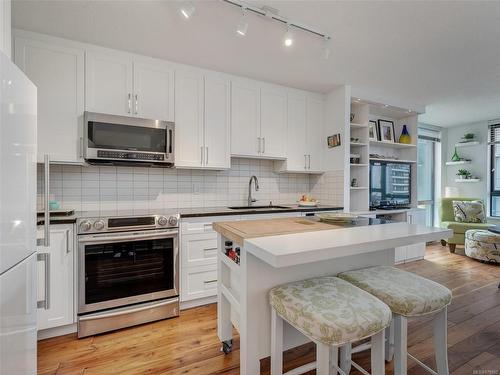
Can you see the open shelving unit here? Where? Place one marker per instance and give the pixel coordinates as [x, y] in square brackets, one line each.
[364, 111]
[467, 144]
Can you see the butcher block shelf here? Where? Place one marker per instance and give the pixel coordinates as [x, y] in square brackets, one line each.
[238, 231]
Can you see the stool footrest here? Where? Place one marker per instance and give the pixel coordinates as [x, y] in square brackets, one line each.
[423, 365]
[302, 369]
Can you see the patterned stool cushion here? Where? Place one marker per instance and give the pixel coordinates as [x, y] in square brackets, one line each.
[330, 310]
[482, 245]
[406, 294]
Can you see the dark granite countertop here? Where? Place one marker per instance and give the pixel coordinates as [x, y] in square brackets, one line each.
[185, 212]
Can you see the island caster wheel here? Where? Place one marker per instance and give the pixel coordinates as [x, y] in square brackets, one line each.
[227, 346]
[443, 243]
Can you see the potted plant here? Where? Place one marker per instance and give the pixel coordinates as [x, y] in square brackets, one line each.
[463, 174]
[468, 137]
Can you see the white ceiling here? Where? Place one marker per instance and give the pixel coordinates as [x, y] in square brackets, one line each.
[444, 55]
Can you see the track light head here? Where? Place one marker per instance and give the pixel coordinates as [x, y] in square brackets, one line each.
[187, 10]
[288, 38]
[243, 24]
[326, 47]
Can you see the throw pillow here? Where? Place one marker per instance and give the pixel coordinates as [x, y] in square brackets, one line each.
[469, 211]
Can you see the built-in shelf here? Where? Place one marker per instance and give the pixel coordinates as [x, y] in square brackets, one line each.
[467, 180]
[392, 144]
[467, 144]
[359, 165]
[460, 162]
[359, 188]
[358, 144]
[394, 160]
[358, 126]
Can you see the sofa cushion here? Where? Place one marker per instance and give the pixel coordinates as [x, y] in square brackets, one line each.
[330, 310]
[406, 294]
[469, 211]
[463, 227]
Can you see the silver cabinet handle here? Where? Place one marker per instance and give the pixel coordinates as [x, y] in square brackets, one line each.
[201, 153]
[45, 241]
[206, 160]
[258, 145]
[136, 104]
[67, 241]
[309, 157]
[45, 303]
[129, 102]
[305, 161]
[81, 147]
[105, 314]
[264, 145]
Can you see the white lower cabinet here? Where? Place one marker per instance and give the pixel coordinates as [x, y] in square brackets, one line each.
[55, 268]
[199, 282]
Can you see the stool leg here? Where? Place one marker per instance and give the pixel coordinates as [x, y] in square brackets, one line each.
[322, 359]
[389, 342]
[400, 345]
[276, 344]
[334, 359]
[377, 353]
[441, 341]
[345, 358]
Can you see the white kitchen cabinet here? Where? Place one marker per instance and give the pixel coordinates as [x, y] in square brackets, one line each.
[5, 27]
[57, 69]
[118, 84]
[56, 287]
[199, 249]
[417, 251]
[315, 140]
[245, 118]
[202, 129]
[153, 91]
[108, 83]
[273, 121]
[198, 282]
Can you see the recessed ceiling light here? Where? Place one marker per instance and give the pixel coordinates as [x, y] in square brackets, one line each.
[187, 10]
[409, 111]
[243, 25]
[288, 39]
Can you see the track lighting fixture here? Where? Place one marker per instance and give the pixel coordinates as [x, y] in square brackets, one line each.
[326, 47]
[187, 10]
[288, 39]
[243, 24]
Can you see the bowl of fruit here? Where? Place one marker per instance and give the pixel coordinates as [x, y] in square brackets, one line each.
[306, 201]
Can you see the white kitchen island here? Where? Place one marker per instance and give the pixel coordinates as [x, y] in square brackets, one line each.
[279, 251]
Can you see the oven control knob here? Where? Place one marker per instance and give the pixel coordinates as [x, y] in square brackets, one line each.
[99, 225]
[172, 220]
[85, 226]
[162, 220]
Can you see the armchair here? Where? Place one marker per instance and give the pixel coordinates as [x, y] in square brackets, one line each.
[447, 217]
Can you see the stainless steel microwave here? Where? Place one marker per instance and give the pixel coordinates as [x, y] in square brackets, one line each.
[121, 140]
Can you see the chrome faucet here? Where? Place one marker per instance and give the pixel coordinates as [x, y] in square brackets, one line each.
[250, 199]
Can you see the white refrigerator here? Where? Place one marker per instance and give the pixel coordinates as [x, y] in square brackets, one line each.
[18, 293]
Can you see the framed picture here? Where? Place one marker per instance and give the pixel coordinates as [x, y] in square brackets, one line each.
[373, 134]
[333, 140]
[386, 130]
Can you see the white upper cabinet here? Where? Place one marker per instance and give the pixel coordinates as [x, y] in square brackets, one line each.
[121, 85]
[5, 27]
[273, 121]
[57, 70]
[314, 132]
[217, 122]
[245, 118]
[153, 91]
[108, 84]
[189, 97]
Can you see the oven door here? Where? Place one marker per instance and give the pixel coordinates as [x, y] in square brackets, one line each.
[121, 269]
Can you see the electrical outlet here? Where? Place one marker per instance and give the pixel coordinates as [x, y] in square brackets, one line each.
[196, 188]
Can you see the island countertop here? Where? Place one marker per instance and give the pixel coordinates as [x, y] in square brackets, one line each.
[291, 241]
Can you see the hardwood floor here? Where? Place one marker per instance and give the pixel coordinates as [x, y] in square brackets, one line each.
[189, 344]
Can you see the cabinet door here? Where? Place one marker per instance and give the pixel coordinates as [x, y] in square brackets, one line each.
[314, 133]
[59, 290]
[245, 118]
[108, 83]
[217, 126]
[198, 249]
[153, 91]
[296, 143]
[198, 282]
[189, 151]
[273, 121]
[416, 251]
[58, 73]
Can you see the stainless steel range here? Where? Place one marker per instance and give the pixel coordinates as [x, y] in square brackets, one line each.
[128, 271]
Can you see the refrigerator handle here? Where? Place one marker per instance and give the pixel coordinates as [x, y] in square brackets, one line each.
[45, 303]
[45, 241]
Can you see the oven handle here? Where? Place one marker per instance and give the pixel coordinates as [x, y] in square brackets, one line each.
[127, 311]
[103, 238]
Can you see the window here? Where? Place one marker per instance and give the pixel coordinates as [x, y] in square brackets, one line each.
[494, 143]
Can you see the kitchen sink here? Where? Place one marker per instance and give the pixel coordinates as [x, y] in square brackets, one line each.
[268, 207]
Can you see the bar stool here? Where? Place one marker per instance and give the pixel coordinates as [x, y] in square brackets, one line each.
[330, 312]
[408, 295]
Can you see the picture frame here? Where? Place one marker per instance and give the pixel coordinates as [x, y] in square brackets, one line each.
[386, 131]
[373, 133]
[333, 140]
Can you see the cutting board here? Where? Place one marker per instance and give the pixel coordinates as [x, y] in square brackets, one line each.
[238, 231]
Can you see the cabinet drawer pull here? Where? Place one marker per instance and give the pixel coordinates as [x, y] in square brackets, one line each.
[210, 281]
[136, 104]
[264, 145]
[45, 303]
[67, 241]
[129, 102]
